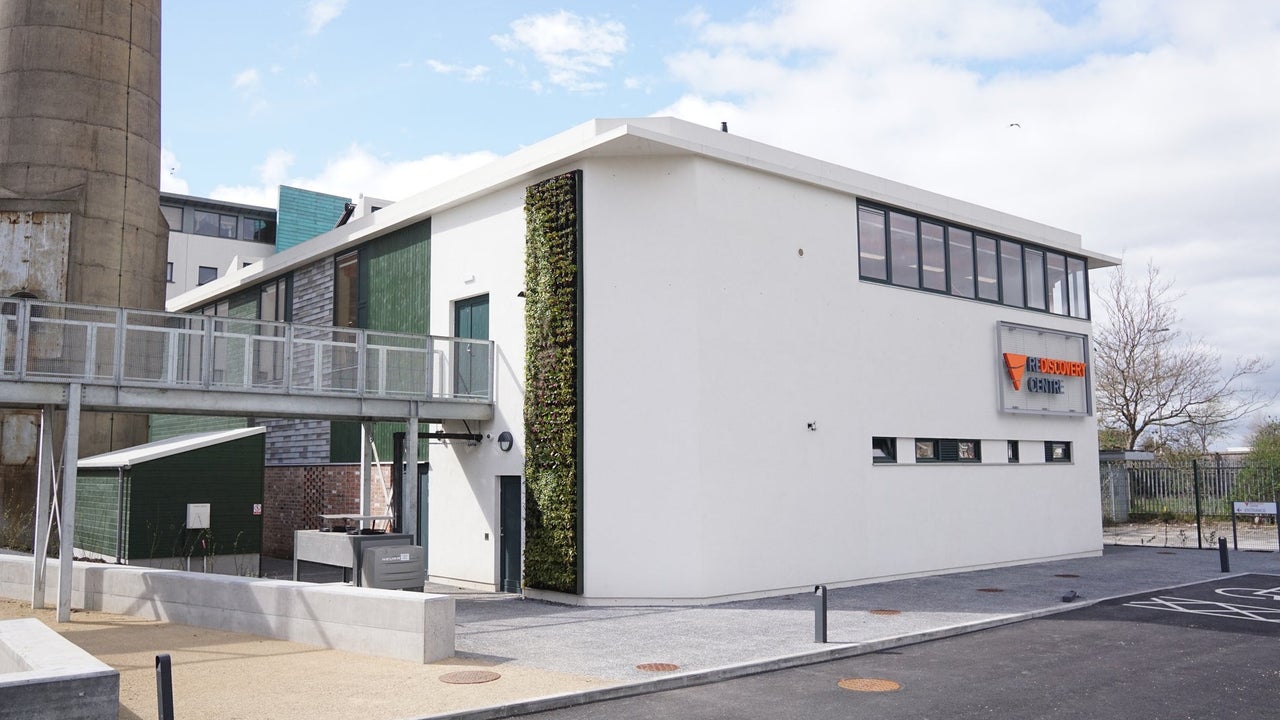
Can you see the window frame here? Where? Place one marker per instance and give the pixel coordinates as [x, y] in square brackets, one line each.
[887, 446]
[878, 246]
[1050, 445]
[200, 275]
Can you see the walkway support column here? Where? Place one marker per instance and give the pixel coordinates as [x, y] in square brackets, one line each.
[67, 518]
[410, 481]
[366, 471]
[44, 507]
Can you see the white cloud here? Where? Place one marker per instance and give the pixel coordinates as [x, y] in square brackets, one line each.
[469, 74]
[170, 181]
[248, 80]
[355, 172]
[1148, 127]
[323, 12]
[574, 50]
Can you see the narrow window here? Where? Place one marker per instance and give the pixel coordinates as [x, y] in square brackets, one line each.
[1059, 452]
[1078, 282]
[346, 290]
[960, 243]
[1055, 266]
[968, 451]
[884, 449]
[206, 275]
[871, 245]
[1013, 451]
[988, 269]
[1011, 273]
[1035, 278]
[926, 450]
[168, 272]
[933, 256]
[904, 250]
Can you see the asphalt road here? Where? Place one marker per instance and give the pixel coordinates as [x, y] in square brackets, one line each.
[1205, 651]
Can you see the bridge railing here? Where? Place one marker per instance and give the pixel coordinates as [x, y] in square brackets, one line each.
[65, 342]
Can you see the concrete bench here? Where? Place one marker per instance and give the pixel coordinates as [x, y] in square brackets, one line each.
[389, 623]
[44, 675]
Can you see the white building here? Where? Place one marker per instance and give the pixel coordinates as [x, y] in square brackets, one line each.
[783, 372]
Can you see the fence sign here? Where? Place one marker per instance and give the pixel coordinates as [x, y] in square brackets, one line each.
[1254, 508]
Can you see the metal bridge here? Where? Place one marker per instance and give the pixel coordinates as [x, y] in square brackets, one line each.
[57, 355]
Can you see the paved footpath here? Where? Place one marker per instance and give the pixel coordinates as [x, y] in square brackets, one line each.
[733, 639]
[549, 656]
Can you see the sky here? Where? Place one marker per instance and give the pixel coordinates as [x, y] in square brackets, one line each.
[1149, 127]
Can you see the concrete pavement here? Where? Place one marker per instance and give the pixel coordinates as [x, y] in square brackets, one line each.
[733, 639]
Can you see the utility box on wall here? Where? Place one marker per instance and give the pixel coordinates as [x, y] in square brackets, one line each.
[191, 502]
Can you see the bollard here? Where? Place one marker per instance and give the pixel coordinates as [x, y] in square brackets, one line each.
[1222, 555]
[164, 687]
[820, 613]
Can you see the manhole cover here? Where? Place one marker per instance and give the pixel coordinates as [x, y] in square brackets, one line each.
[1067, 575]
[657, 667]
[869, 685]
[469, 677]
[990, 589]
[885, 612]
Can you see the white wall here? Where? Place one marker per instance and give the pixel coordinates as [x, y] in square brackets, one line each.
[711, 343]
[188, 252]
[477, 249]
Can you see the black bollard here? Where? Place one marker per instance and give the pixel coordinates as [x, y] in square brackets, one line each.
[820, 613]
[1222, 555]
[164, 687]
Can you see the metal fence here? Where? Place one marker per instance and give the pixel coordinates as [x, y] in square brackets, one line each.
[53, 341]
[1191, 504]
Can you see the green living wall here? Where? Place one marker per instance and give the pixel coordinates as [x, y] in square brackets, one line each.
[553, 482]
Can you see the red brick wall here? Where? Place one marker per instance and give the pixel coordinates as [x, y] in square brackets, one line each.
[295, 496]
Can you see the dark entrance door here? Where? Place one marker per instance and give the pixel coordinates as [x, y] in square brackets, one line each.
[510, 533]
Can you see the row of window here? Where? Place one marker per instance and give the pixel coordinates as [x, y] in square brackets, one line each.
[951, 450]
[903, 249]
[220, 224]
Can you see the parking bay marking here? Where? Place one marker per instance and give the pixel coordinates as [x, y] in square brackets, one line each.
[1214, 608]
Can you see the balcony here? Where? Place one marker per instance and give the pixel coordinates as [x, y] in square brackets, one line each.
[149, 361]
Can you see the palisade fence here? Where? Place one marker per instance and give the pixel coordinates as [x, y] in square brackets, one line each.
[1144, 499]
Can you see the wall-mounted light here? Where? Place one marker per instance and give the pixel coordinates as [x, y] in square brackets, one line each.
[505, 441]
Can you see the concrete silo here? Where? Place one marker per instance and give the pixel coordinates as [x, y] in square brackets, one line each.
[79, 184]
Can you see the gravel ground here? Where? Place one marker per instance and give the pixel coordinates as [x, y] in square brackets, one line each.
[224, 676]
[1249, 535]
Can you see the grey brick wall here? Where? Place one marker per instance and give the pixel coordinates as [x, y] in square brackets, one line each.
[305, 442]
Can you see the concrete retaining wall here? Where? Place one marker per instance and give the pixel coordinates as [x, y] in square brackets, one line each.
[389, 623]
[44, 675]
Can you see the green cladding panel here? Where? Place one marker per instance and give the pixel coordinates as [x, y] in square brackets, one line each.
[305, 214]
[98, 505]
[394, 295]
[228, 476]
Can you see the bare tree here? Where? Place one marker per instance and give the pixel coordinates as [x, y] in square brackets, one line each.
[1149, 374]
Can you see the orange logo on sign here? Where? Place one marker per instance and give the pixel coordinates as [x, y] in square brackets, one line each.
[1016, 364]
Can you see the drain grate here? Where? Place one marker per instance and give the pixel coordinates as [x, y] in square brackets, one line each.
[1067, 575]
[469, 677]
[869, 685]
[657, 667]
[885, 611]
[991, 590]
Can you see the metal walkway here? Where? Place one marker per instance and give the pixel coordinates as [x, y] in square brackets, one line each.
[94, 358]
[127, 360]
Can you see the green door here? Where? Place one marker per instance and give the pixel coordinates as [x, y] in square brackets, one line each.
[509, 529]
[471, 360]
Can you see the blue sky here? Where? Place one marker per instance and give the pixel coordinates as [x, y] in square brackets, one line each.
[1147, 126]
